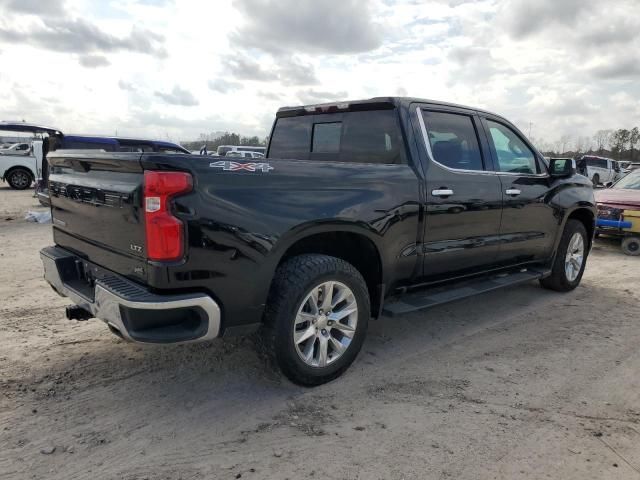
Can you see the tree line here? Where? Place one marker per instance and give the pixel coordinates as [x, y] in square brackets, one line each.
[213, 141]
[621, 144]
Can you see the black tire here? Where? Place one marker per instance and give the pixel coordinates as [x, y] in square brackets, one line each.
[631, 246]
[558, 280]
[19, 178]
[293, 282]
[596, 180]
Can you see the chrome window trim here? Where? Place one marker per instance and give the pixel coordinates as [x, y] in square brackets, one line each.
[515, 174]
[427, 145]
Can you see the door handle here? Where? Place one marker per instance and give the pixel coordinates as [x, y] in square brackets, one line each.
[513, 191]
[442, 192]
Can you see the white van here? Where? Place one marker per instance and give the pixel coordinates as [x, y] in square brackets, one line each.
[224, 149]
[601, 170]
[244, 154]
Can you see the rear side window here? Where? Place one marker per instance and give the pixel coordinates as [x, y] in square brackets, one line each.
[514, 156]
[79, 145]
[291, 138]
[364, 137]
[453, 140]
[597, 162]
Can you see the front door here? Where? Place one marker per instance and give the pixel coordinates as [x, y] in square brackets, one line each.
[463, 197]
[529, 222]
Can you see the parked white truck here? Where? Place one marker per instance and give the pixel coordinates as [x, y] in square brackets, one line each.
[21, 170]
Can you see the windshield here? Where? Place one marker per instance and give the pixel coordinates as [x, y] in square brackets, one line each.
[631, 181]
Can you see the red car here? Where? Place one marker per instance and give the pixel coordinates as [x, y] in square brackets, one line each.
[612, 202]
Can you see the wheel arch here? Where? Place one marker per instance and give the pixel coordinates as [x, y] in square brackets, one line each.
[349, 243]
[588, 218]
[9, 170]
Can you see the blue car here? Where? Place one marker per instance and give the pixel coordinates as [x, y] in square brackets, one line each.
[53, 139]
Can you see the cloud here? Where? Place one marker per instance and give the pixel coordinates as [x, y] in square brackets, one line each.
[313, 96]
[81, 36]
[244, 68]
[617, 67]
[289, 71]
[271, 96]
[179, 96]
[614, 31]
[472, 63]
[524, 18]
[328, 26]
[126, 86]
[49, 8]
[94, 61]
[292, 72]
[224, 86]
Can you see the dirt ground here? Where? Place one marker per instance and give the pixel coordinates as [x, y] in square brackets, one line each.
[521, 383]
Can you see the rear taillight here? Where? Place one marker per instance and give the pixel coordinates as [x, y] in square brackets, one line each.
[165, 233]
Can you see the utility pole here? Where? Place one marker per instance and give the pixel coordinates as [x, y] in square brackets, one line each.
[530, 125]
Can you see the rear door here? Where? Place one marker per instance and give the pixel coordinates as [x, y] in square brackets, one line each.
[463, 197]
[529, 223]
[355, 167]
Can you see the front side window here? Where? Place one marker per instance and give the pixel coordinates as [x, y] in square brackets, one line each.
[513, 155]
[453, 140]
[631, 181]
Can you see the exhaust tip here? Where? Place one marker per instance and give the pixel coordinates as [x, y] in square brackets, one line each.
[75, 312]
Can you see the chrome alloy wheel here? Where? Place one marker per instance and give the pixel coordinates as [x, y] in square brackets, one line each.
[325, 324]
[574, 258]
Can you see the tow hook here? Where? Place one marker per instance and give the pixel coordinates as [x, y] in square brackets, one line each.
[74, 312]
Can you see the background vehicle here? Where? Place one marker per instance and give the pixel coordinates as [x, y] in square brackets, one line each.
[16, 149]
[601, 170]
[387, 205]
[245, 154]
[18, 170]
[224, 149]
[53, 139]
[619, 212]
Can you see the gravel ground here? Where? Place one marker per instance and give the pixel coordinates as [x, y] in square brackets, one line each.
[521, 383]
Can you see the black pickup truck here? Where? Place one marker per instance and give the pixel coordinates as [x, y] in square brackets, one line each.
[360, 209]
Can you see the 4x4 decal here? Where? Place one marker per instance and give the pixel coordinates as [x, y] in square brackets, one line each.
[230, 166]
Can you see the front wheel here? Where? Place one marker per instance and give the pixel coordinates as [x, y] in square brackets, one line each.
[19, 179]
[596, 180]
[316, 317]
[571, 258]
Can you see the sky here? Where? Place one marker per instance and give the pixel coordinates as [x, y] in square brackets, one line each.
[174, 69]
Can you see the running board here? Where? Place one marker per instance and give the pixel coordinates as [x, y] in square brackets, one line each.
[412, 302]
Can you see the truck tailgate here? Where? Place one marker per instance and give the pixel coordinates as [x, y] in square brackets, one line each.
[96, 204]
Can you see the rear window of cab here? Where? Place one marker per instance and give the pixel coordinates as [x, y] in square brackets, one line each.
[371, 136]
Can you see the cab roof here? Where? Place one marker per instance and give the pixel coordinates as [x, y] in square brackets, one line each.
[375, 103]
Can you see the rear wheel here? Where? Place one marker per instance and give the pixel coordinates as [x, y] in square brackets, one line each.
[571, 258]
[631, 246]
[19, 179]
[596, 180]
[316, 318]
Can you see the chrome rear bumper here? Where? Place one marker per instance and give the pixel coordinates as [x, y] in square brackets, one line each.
[131, 310]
